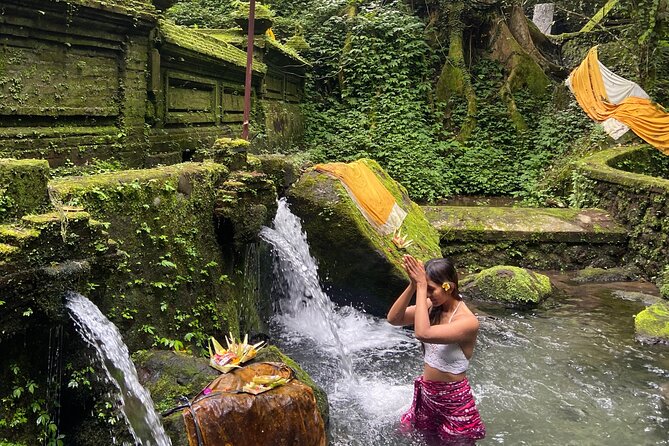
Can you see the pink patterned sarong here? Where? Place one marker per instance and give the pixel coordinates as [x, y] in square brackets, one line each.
[445, 408]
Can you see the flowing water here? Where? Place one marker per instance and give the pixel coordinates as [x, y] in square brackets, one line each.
[567, 374]
[104, 337]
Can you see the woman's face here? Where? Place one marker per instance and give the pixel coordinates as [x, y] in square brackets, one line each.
[436, 293]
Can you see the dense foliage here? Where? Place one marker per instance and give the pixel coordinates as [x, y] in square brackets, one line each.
[372, 88]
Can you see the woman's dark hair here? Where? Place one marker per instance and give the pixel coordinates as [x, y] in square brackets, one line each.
[440, 271]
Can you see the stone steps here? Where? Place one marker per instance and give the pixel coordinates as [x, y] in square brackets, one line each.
[533, 237]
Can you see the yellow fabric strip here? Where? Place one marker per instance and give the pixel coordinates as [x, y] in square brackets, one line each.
[367, 191]
[646, 119]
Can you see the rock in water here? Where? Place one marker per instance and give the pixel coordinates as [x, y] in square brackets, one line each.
[285, 415]
[510, 285]
[353, 258]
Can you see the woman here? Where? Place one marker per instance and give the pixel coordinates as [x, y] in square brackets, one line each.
[443, 401]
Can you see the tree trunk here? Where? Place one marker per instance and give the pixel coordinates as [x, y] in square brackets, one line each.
[454, 81]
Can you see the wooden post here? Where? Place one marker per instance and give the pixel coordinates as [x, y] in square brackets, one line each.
[249, 70]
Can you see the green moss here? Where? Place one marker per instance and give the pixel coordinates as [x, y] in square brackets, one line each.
[15, 233]
[350, 251]
[653, 322]
[205, 44]
[599, 167]
[592, 275]
[261, 11]
[42, 220]
[135, 8]
[509, 285]
[7, 249]
[22, 186]
[172, 375]
[174, 283]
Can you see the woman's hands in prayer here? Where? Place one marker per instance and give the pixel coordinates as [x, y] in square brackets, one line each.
[415, 270]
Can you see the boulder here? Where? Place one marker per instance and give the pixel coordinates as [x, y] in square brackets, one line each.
[603, 275]
[636, 296]
[356, 261]
[285, 415]
[171, 377]
[652, 324]
[510, 285]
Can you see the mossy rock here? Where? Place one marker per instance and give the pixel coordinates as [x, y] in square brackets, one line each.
[230, 152]
[652, 324]
[603, 275]
[282, 170]
[355, 260]
[169, 375]
[510, 285]
[23, 187]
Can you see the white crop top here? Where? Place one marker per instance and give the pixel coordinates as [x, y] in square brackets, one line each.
[446, 357]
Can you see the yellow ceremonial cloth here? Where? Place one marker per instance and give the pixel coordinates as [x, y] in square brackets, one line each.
[646, 119]
[370, 195]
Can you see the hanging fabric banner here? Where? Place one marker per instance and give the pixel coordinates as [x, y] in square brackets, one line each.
[618, 104]
[376, 204]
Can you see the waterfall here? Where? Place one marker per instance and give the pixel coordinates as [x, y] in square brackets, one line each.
[104, 337]
[296, 274]
[365, 365]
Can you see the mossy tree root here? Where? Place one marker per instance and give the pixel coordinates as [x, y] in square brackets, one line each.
[351, 12]
[454, 80]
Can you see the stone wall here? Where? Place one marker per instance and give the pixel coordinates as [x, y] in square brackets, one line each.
[163, 252]
[638, 201]
[82, 79]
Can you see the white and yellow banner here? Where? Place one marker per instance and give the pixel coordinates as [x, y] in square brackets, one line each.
[618, 104]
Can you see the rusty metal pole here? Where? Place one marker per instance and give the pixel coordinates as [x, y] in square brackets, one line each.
[249, 70]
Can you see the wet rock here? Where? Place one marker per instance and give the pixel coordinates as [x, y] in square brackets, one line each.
[354, 259]
[636, 296]
[169, 376]
[285, 415]
[282, 170]
[510, 285]
[652, 324]
[599, 275]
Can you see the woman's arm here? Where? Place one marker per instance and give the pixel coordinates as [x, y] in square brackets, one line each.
[460, 331]
[400, 313]
[463, 329]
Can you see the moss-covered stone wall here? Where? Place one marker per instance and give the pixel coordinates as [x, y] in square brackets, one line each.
[83, 80]
[156, 251]
[174, 285]
[640, 202]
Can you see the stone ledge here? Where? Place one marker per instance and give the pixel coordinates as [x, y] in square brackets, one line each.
[598, 167]
[475, 223]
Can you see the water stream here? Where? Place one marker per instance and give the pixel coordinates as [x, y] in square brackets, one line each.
[567, 374]
[104, 337]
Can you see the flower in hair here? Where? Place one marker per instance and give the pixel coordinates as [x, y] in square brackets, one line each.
[446, 286]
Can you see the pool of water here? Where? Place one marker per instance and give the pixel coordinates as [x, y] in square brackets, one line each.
[569, 373]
